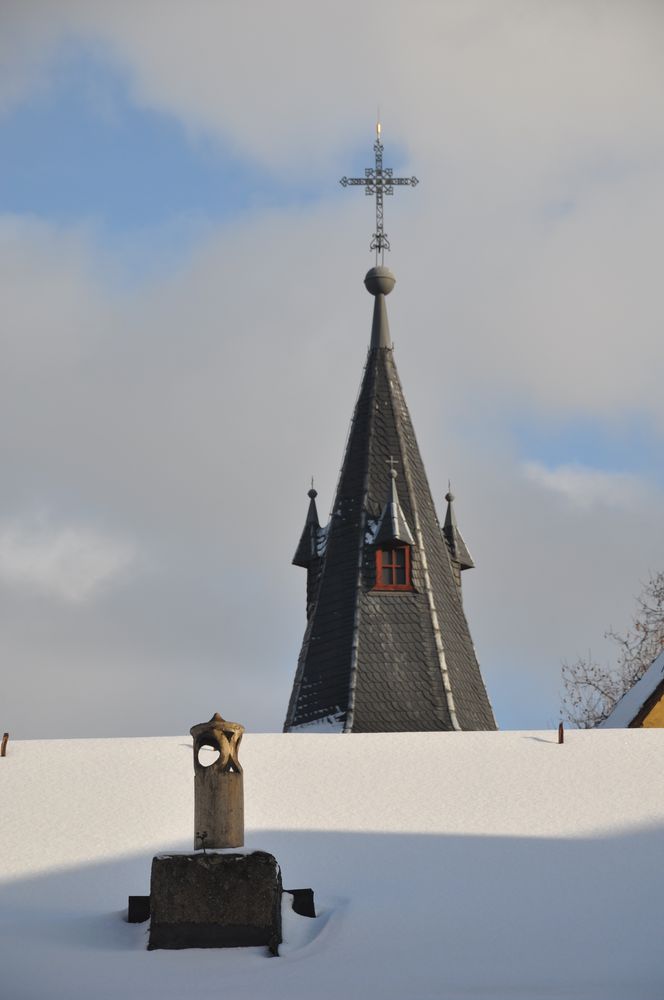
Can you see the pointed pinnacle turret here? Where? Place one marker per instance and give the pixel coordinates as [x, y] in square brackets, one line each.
[307, 549]
[458, 549]
[392, 526]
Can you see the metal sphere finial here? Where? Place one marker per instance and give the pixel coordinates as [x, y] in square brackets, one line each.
[379, 281]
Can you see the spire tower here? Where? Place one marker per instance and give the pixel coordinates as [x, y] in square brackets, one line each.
[387, 647]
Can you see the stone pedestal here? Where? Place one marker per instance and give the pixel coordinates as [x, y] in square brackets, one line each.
[215, 901]
[218, 808]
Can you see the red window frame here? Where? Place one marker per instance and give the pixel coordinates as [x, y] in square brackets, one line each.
[393, 573]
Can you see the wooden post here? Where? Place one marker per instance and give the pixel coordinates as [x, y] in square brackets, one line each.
[561, 733]
[218, 788]
[3, 746]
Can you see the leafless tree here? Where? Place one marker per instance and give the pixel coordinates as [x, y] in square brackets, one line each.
[593, 689]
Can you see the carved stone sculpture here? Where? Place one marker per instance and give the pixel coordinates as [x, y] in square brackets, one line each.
[218, 788]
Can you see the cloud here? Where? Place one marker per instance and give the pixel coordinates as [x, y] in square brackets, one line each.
[72, 564]
[588, 488]
[27, 40]
[290, 84]
[190, 413]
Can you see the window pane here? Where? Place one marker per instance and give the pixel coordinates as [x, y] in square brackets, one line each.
[393, 566]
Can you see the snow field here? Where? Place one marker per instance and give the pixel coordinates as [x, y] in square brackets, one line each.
[469, 865]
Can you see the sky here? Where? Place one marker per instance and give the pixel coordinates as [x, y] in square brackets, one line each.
[185, 325]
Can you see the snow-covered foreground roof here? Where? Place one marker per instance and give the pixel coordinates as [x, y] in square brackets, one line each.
[445, 865]
[633, 700]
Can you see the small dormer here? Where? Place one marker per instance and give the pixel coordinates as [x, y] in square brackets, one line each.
[393, 543]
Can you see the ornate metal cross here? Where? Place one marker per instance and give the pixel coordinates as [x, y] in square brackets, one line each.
[378, 181]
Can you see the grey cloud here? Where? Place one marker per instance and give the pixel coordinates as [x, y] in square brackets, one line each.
[188, 414]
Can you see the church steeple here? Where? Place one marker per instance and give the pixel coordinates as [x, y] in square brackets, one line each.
[387, 645]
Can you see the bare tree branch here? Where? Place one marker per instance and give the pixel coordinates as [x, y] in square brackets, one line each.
[592, 689]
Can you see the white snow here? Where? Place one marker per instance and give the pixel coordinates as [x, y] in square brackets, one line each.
[445, 865]
[327, 724]
[371, 529]
[633, 700]
[321, 539]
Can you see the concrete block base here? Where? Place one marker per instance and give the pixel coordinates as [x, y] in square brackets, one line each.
[215, 901]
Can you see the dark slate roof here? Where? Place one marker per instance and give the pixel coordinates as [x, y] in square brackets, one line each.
[385, 661]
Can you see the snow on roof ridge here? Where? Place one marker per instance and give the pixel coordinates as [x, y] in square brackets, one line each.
[633, 700]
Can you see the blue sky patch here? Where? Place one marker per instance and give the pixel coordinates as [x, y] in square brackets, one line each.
[84, 150]
[628, 445]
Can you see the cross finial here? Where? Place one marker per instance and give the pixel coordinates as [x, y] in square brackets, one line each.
[378, 181]
[392, 463]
